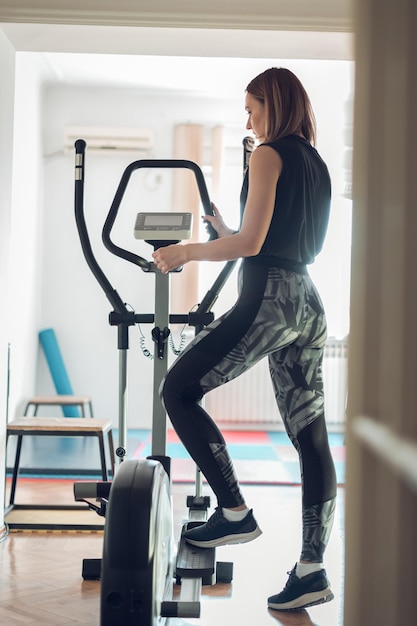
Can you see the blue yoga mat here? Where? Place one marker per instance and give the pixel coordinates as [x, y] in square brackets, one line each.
[57, 368]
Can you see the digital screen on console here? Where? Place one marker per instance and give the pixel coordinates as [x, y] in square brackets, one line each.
[163, 226]
[171, 220]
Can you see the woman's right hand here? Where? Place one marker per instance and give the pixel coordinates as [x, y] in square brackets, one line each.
[217, 222]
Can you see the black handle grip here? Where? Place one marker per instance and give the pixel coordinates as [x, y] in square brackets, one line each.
[248, 146]
[102, 279]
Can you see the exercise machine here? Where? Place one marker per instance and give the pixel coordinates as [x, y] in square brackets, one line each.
[137, 569]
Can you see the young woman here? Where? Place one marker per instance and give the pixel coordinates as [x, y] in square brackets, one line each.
[285, 204]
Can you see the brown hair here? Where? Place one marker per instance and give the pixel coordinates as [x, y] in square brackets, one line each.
[288, 108]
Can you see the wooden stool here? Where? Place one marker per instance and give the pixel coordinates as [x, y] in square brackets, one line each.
[61, 427]
[60, 400]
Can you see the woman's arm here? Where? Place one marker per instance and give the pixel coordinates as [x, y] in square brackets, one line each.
[264, 171]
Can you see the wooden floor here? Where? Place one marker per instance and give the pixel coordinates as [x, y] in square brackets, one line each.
[41, 583]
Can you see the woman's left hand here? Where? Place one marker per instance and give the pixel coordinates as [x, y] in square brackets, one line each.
[169, 258]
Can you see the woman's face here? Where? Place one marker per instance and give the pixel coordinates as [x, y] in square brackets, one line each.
[256, 117]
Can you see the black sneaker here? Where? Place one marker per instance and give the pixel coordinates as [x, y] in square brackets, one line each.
[302, 592]
[218, 531]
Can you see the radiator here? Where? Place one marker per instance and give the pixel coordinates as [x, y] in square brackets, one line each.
[249, 400]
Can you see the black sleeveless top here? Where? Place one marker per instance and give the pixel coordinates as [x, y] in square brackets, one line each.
[302, 205]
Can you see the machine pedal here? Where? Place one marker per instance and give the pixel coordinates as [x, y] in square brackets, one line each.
[194, 562]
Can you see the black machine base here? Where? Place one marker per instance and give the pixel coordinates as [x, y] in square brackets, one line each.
[136, 571]
[91, 569]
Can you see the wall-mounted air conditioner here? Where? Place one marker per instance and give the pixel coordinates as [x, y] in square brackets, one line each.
[108, 140]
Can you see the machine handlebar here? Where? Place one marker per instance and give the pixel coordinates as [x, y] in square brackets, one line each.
[151, 164]
[102, 279]
[147, 266]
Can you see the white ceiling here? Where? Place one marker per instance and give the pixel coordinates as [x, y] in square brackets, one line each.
[209, 77]
[203, 61]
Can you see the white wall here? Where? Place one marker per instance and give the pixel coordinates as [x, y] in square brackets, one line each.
[71, 300]
[26, 230]
[7, 65]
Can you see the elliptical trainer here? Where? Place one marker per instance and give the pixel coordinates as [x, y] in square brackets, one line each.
[136, 568]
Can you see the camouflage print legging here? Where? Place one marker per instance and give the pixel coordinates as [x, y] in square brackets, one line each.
[278, 315]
